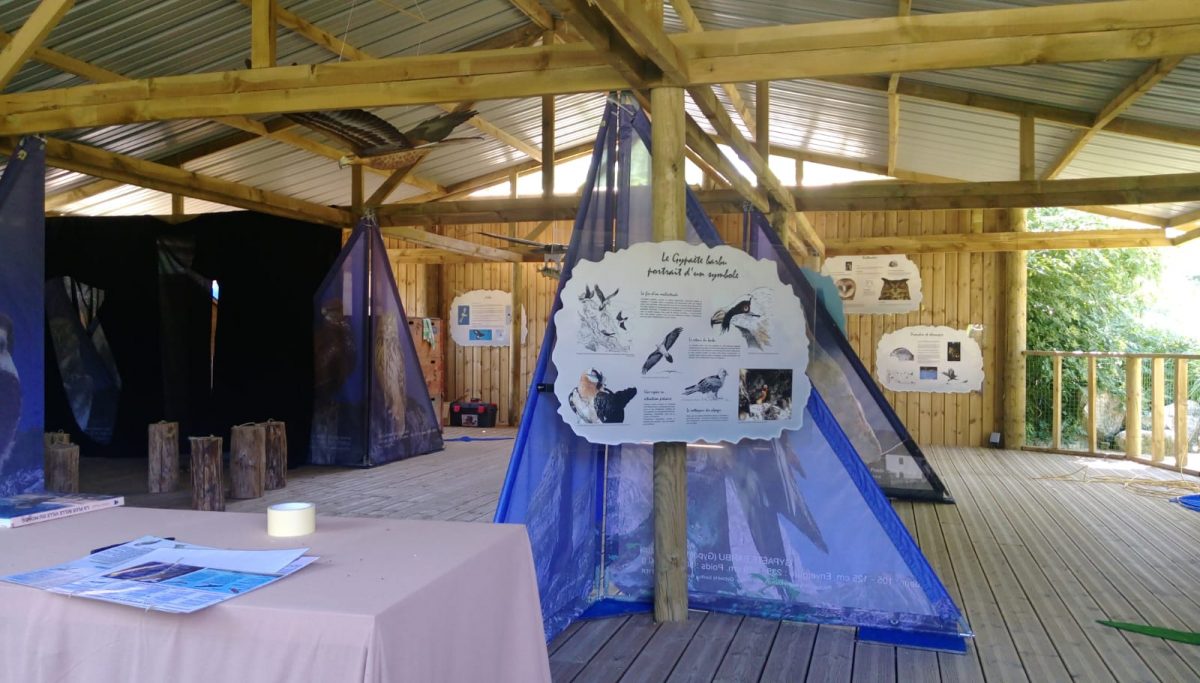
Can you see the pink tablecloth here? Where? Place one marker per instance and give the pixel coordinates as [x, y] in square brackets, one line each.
[389, 600]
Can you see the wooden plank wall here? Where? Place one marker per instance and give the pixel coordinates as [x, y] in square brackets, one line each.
[959, 290]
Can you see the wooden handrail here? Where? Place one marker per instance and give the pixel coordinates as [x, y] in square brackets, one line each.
[1111, 354]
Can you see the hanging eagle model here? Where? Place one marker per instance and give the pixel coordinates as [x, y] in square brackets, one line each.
[379, 144]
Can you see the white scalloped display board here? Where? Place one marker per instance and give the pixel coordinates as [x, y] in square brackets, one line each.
[669, 341]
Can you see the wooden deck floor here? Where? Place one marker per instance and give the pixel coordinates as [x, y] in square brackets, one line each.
[1033, 563]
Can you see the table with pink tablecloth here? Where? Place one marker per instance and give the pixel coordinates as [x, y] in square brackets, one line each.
[389, 600]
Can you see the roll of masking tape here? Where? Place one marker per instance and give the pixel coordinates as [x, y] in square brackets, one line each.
[291, 519]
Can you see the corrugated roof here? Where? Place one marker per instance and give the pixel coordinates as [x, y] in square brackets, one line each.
[140, 38]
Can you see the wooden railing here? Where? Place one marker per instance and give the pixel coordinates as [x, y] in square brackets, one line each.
[1130, 391]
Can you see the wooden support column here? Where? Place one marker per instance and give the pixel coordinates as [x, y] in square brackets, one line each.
[548, 134]
[1157, 409]
[356, 192]
[516, 379]
[1056, 417]
[1133, 407]
[262, 33]
[762, 122]
[177, 205]
[670, 474]
[1182, 436]
[1016, 284]
[1091, 406]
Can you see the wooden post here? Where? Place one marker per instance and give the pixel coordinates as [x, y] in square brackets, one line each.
[516, 352]
[1016, 279]
[208, 475]
[1133, 407]
[247, 461]
[163, 454]
[275, 438]
[548, 132]
[51, 438]
[1157, 416]
[62, 468]
[762, 123]
[670, 474]
[1091, 421]
[1056, 417]
[1182, 436]
[177, 205]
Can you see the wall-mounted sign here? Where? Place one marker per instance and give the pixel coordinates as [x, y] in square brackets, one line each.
[926, 358]
[482, 318]
[671, 341]
[875, 284]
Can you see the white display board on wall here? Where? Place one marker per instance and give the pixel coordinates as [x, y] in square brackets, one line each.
[927, 358]
[875, 284]
[670, 341]
[482, 317]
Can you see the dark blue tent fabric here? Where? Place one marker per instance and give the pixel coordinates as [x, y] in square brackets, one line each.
[371, 403]
[794, 527]
[22, 271]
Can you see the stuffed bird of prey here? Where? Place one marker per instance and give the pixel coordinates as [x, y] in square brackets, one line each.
[379, 144]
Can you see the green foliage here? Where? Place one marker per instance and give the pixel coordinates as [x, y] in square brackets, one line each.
[1088, 300]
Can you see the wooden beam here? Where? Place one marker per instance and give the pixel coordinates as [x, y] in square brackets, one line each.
[646, 37]
[129, 170]
[548, 113]
[69, 64]
[536, 13]
[389, 185]
[1125, 99]
[1183, 219]
[262, 33]
[1068, 117]
[468, 186]
[669, 218]
[999, 242]
[1186, 237]
[437, 256]
[903, 9]
[1027, 148]
[1133, 406]
[298, 25]
[762, 120]
[875, 196]
[692, 23]
[1016, 326]
[31, 34]
[451, 244]
[1131, 29]
[595, 28]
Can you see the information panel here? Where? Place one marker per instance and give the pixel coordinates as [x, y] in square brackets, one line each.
[934, 359]
[875, 284]
[670, 341]
[481, 318]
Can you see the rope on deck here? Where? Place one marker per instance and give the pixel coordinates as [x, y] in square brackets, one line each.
[1144, 486]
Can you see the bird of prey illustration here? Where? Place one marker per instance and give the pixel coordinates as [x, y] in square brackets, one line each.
[604, 300]
[950, 374]
[709, 385]
[740, 308]
[334, 351]
[661, 351]
[621, 318]
[10, 391]
[379, 144]
[749, 317]
[593, 402]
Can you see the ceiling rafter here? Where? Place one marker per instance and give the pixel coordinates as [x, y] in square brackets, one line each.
[452, 244]
[1124, 99]
[903, 9]
[324, 39]
[262, 33]
[133, 171]
[692, 23]
[1080, 32]
[30, 36]
[623, 36]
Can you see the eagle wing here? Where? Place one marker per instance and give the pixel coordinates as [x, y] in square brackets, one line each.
[671, 337]
[359, 129]
[437, 128]
[651, 361]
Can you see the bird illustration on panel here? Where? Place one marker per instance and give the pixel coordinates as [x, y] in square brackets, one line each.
[663, 350]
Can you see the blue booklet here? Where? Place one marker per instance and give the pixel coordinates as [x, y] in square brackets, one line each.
[30, 508]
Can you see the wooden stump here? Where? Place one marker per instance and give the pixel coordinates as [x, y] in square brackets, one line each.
[247, 461]
[208, 476]
[276, 444]
[62, 468]
[163, 453]
[51, 438]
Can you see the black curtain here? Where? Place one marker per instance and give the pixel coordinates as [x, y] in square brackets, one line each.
[157, 313]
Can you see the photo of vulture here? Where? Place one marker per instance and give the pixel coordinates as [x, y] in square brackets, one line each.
[709, 385]
[379, 144]
[10, 391]
[594, 402]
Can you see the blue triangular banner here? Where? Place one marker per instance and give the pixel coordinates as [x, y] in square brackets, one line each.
[371, 403]
[794, 527]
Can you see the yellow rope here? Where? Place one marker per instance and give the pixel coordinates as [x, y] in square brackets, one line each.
[1145, 486]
